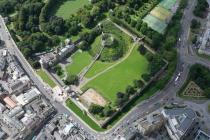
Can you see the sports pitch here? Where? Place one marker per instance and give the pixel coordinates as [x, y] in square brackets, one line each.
[161, 13]
[168, 4]
[155, 23]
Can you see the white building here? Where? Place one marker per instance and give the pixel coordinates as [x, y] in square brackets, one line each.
[180, 123]
[29, 96]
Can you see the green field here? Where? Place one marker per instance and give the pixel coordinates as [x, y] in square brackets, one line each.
[120, 76]
[69, 7]
[46, 78]
[155, 23]
[168, 4]
[83, 116]
[79, 61]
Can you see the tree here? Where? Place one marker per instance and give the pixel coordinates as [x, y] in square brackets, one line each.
[107, 111]
[144, 28]
[194, 39]
[146, 77]
[133, 23]
[195, 24]
[95, 109]
[72, 80]
[130, 90]
[207, 92]
[35, 64]
[58, 70]
[121, 99]
[170, 42]
[156, 40]
[142, 50]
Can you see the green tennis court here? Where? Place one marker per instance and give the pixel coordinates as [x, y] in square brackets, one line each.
[155, 23]
[168, 4]
[161, 13]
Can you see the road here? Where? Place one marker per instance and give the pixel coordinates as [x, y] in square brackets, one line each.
[186, 58]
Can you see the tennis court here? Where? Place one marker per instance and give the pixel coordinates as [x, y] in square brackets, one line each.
[161, 13]
[155, 23]
[168, 4]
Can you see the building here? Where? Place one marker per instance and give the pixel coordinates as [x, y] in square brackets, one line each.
[202, 136]
[2, 135]
[19, 85]
[9, 102]
[53, 58]
[23, 110]
[150, 123]
[2, 66]
[181, 123]
[61, 128]
[29, 96]
[2, 107]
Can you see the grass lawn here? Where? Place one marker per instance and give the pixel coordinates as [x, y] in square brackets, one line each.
[119, 77]
[83, 116]
[79, 61]
[69, 7]
[98, 67]
[46, 78]
[96, 46]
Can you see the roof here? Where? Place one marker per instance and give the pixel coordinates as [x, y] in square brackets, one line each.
[9, 102]
[182, 118]
[2, 107]
[2, 134]
[202, 136]
[2, 62]
[67, 128]
[28, 96]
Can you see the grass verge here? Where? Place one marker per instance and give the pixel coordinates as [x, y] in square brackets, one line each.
[46, 78]
[83, 116]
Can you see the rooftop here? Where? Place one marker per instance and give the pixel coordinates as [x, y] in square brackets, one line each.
[182, 118]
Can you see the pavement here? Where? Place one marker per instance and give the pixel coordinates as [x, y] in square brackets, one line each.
[186, 58]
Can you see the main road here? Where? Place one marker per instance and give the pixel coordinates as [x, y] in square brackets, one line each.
[186, 58]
